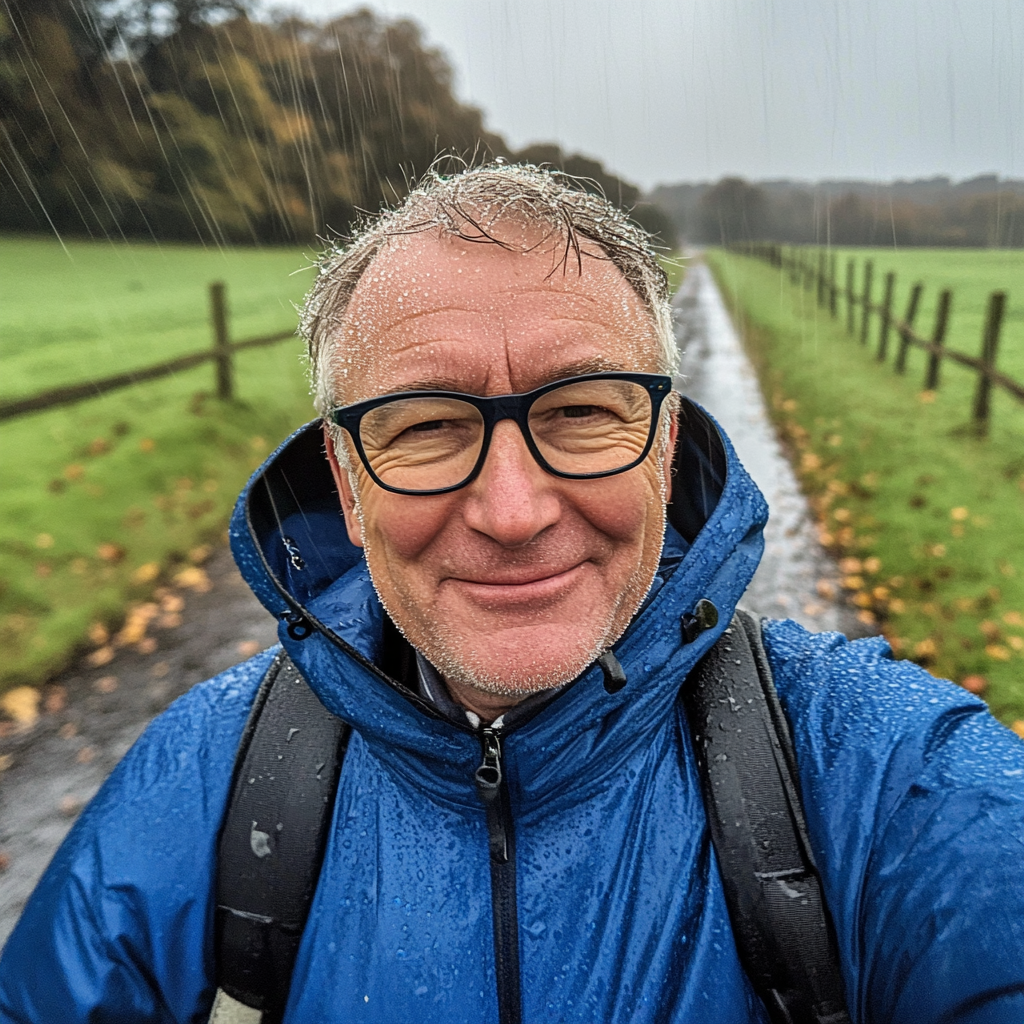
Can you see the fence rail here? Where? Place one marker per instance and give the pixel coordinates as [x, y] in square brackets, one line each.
[221, 354]
[815, 269]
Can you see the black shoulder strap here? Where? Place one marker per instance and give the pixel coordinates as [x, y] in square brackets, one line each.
[273, 838]
[748, 772]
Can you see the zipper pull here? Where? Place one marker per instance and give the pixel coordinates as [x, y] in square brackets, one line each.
[489, 784]
[488, 775]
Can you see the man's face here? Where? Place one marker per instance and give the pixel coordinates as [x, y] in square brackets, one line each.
[518, 581]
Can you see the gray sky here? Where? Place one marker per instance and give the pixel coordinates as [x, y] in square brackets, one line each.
[681, 90]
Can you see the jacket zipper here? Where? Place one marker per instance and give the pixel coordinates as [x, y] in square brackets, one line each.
[493, 789]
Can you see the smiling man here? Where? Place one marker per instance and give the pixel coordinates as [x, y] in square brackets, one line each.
[503, 561]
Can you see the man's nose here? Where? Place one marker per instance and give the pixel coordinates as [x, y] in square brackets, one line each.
[512, 500]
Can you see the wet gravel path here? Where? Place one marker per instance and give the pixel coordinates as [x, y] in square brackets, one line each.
[58, 765]
[96, 714]
[716, 373]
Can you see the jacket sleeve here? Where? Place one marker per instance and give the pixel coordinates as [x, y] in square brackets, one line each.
[914, 796]
[118, 927]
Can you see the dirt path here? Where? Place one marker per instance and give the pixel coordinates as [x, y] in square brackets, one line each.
[717, 374]
[95, 714]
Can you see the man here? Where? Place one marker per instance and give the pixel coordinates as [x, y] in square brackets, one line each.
[492, 362]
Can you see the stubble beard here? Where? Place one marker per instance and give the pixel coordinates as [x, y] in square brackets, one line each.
[465, 665]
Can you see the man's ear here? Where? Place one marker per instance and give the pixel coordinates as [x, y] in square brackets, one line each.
[344, 485]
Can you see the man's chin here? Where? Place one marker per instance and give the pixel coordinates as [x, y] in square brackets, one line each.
[515, 662]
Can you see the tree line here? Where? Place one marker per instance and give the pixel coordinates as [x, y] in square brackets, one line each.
[199, 120]
[983, 212]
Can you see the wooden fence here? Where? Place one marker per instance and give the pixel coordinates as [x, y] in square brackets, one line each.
[221, 354]
[816, 270]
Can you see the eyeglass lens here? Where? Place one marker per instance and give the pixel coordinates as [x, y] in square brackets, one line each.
[427, 443]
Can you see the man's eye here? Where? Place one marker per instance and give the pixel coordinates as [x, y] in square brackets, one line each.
[578, 412]
[428, 425]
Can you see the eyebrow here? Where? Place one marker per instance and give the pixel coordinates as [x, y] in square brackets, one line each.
[597, 364]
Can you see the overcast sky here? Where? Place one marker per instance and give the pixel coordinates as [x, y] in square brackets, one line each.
[685, 90]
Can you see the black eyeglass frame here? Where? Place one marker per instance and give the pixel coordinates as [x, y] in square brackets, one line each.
[493, 409]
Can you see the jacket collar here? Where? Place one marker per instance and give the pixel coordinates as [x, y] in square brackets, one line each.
[290, 542]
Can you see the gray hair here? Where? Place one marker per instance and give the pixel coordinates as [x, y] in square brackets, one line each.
[468, 204]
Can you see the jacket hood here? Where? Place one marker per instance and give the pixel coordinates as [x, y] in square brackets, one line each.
[289, 539]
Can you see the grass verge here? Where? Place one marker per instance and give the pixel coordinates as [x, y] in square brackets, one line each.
[104, 501]
[927, 519]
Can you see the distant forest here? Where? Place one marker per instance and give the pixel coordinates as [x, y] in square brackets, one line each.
[983, 212]
[195, 120]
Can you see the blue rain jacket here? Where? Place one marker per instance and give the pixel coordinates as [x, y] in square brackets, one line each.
[914, 798]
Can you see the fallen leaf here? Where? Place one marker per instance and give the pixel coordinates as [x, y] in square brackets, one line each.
[210, 486]
[247, 648]
[98, 658]
[842, 515]
[1018, 727]
[147, 444]
[853, 582]
[866, 617]
[825, 589]
[200, 554]
[813, 610]
[6, 760]
[897, 606]
[959, 514]
[974, 684]
[1013, 619]
[86, 755]
[67, 731]
[998, 651]
[146, 573]
[850, 566]
[926, 397]
[74, 471]
[99, 446]
[44, 540]
[146, 646]
[105, 684]
[43, 570]
[170, 620]
[809, 462]
[21, 705]
[5, 862]
[171, 603]
[872, 564]
[110, 552]
[1016, 642]
[880, 593]
[925, 648]
[193, 578]
[69, 806]
[989, 629]
[55, 700]
[160, 669]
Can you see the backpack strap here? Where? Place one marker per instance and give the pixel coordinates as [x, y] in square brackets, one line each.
[272, 843]
[747, 764]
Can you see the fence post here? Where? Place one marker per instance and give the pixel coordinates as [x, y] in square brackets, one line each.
[221, 342]
[869, 270]
[931, 380]
[822, 264]
[849, 296]
[900, 365]
[832, 285]
[989, 346]
[883, 331]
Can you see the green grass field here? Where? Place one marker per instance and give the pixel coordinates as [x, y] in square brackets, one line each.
[927, 518]
[102, 501]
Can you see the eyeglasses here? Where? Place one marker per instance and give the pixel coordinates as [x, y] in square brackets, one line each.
[581, 428]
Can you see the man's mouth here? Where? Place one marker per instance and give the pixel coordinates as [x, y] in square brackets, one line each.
[511, 587]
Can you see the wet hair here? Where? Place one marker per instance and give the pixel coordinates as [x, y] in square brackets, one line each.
[469, 205]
